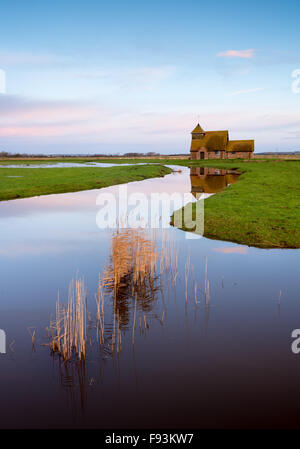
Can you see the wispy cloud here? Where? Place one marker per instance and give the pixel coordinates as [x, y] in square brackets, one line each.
[12, 58]
[24, 118]
[21, 117]
[92, 74]
[244, 92]
[152, 74]
[148, 72]
[143, 78]
[35, 125]
[244, 54]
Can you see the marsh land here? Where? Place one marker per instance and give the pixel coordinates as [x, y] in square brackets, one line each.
[158, 304]
[28, 182]
[262, 209]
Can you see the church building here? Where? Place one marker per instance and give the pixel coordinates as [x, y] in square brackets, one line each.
[216, 145]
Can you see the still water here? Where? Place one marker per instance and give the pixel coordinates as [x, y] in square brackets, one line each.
[68, 165]
[197, 333]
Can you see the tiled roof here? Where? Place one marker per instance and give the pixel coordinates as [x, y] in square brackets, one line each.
[212, 140]
[240, 145]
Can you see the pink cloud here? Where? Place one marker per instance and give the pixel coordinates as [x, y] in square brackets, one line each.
[25, 122]
[36, 131]
[244, 54]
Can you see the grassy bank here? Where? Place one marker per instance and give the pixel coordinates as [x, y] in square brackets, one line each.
[27, 182]
[262, 209]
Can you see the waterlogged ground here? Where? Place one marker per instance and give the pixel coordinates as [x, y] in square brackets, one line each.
[201, 339]
[66, 165]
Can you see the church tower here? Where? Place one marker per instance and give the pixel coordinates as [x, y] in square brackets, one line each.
[197, 144]
[198, 133]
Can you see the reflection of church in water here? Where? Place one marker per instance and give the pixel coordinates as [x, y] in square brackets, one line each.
[211, 180]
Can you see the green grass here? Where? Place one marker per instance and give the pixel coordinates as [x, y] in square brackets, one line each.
[44, 181]
[262, 209]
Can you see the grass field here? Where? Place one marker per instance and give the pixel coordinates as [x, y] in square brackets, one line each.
[27, 182]
[262, 209]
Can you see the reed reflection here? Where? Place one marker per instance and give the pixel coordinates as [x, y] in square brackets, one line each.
[132, 274]
[74, 382]
[139, 280]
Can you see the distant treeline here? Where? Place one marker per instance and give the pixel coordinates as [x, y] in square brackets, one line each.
[26, 155]
[6, 154]
[20, 155]
[290, 153]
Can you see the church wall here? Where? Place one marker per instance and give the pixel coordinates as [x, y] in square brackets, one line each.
[213, 155]
[195, 155]
[239, 155]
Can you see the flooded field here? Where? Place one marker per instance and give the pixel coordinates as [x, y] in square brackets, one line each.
[67, 165]
[170, 331]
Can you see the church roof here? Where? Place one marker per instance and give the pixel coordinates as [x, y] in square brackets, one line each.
[213, 140]
[218, 141]
[198, 129]
[240, 145]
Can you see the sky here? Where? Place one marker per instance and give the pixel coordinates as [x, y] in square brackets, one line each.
[129, 76]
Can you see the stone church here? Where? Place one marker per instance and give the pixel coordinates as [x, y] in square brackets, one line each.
[216, 145]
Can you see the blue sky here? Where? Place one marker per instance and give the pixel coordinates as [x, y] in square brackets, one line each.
[92, 76]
